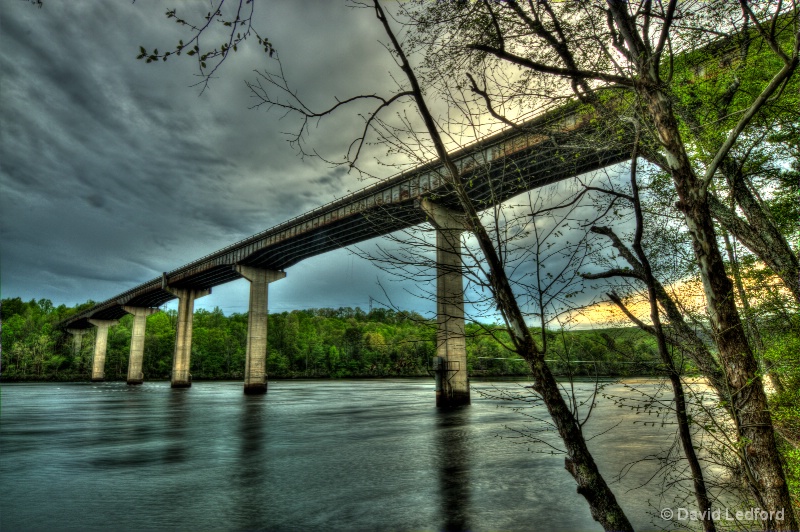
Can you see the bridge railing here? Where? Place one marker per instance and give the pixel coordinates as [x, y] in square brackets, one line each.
[565, 114]
[539, 117]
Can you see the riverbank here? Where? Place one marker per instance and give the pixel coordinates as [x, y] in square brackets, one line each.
[477, 376]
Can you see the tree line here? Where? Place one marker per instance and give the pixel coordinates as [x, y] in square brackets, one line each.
[314, 343]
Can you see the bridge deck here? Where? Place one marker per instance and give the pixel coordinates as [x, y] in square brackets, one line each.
[551, 147]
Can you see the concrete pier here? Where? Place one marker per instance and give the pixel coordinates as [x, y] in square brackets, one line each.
[77, 343]
[77, 340]
[183, 335]
[255, 370]
[450, 364]
[136, 357]
[100, 345]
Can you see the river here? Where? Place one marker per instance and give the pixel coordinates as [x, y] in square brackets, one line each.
[310, 455]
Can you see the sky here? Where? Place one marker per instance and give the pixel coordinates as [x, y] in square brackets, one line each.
[113, 170]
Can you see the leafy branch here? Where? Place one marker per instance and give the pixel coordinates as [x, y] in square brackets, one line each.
[236, 26]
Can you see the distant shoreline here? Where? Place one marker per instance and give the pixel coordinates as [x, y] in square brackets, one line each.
[474, 378]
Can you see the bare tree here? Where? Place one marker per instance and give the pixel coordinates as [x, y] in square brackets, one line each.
[681, 413]
[634, 46]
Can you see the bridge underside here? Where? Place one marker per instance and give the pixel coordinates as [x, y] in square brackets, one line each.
[379, 210]
[510, 163]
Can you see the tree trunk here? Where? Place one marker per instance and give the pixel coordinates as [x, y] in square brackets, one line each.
[749, 401]
[757, 233]
[681, 414]
[579, 462]
[749, 318]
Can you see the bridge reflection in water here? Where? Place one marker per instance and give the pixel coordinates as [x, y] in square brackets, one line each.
[452, 453]
[253, 460]
[312, 455]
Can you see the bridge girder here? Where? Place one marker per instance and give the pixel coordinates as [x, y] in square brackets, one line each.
[545, 150]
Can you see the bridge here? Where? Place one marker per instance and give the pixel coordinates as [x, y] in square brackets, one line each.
[551, 147]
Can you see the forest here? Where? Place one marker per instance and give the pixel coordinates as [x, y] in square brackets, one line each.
[314, 343]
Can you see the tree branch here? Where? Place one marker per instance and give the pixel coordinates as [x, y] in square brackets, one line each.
[639, 323]
[569, 73]
[782, 76]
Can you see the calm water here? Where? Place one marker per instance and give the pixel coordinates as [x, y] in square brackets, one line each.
[310, 455]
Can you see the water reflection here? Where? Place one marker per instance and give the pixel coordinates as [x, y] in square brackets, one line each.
[114, 445]
[177, 419]
[453, 458]
[251, 466]
[366, 455]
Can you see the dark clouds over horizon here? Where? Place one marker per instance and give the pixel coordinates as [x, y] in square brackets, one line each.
[113, 171]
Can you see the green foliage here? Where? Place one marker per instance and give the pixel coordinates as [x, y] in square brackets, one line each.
[30, 345]
[714, 86]
[334, 343]
[612, 352]
[786, 419]
[782, 354]
[228, 27]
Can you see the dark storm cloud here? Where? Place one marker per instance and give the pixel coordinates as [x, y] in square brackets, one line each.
[96, 200]
[113, 171]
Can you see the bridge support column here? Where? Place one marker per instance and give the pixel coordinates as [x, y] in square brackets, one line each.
[136, 357]
[183, 335]
[100, 345]
[255, 370]
[452, 380]
[77, 343]
[77, 340]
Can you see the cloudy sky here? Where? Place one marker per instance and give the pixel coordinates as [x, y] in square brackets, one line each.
[113, 171]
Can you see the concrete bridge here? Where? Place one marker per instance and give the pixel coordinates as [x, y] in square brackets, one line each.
[551, 147]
